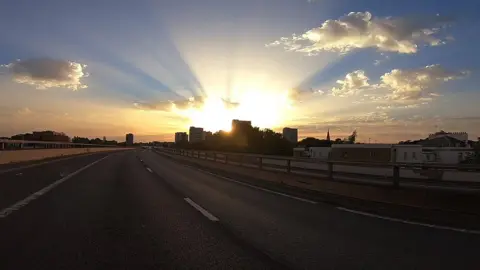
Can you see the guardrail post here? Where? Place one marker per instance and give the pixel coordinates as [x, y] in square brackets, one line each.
[289, 166]
[396, 176]
[226, 159]
[260, 163]
[215, 157]
[330, 170]
[241, 160]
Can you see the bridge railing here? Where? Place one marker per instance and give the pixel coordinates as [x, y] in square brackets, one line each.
[23, 145]
[389, 173]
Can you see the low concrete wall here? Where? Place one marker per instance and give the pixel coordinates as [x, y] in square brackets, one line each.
[29, 155]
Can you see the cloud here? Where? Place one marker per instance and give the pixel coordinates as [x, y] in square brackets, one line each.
[230, 104]
[402, 85]
[24, 111]
[415, 84]
[161, 106]
[170, 105]
[354, 83]
[362, 30]
[48, 73]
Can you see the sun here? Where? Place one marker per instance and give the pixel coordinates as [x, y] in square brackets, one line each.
[264, 109]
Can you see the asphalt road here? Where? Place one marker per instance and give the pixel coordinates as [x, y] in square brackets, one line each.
[139, 210]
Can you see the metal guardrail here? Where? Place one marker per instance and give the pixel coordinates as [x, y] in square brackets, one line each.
[433, 172]
[24, 145]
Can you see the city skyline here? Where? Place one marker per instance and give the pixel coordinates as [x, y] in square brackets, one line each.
[392, 72]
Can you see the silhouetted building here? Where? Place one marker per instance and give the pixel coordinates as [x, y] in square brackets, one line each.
[195, 134]
[45, 136]
[207, 135]
[290, 134]
[129, 139]
[181, 137]
[240, 126]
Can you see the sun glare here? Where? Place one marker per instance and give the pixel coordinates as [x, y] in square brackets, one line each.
[264, 109]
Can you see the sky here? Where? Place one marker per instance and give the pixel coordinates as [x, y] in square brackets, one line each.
[392, 70]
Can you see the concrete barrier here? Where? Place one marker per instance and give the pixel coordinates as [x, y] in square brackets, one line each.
[29, 155]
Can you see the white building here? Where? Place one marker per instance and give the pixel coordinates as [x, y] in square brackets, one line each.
[195, 134]
[405, 153]
[290, 134]
[300, 152]
[461, 136]
[319, 152]
[447, 155]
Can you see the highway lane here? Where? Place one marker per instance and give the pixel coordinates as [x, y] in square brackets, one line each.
[306, 235]
[19, 181]
[115, 214]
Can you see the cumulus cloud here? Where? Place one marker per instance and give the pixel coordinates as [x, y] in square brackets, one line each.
[354, 83]
[405, 85]
[362, 30]
[48, 73]
[415, 84]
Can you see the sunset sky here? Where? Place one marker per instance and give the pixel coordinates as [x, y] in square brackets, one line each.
[391, 69]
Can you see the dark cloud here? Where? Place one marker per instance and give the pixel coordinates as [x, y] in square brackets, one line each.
[47, 73]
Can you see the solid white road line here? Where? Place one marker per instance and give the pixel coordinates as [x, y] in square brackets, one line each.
[259, 188]
[409, 222]
[9, 210]
[150, 170]
[201, 210]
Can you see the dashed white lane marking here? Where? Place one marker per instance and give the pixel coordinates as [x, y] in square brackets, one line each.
[201, 210]
[259, 188]
[9, 210]
[409, 222]
[150, 170]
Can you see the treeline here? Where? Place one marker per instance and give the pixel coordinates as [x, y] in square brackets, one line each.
[103, 141]
[257, 141]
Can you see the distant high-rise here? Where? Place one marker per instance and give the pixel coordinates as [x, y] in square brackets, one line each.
[240, 131]
[207, 135]
[181, 137]
[129, 139]
[240, 126]
[195, 134]
[290, 134]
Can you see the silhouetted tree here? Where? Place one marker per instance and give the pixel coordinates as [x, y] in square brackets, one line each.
[314, 142]
[351, 139]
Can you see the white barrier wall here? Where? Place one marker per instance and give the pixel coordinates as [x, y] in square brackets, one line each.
[29, 155]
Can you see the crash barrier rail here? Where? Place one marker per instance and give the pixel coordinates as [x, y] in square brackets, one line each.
[463, 176]
[6, 145]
